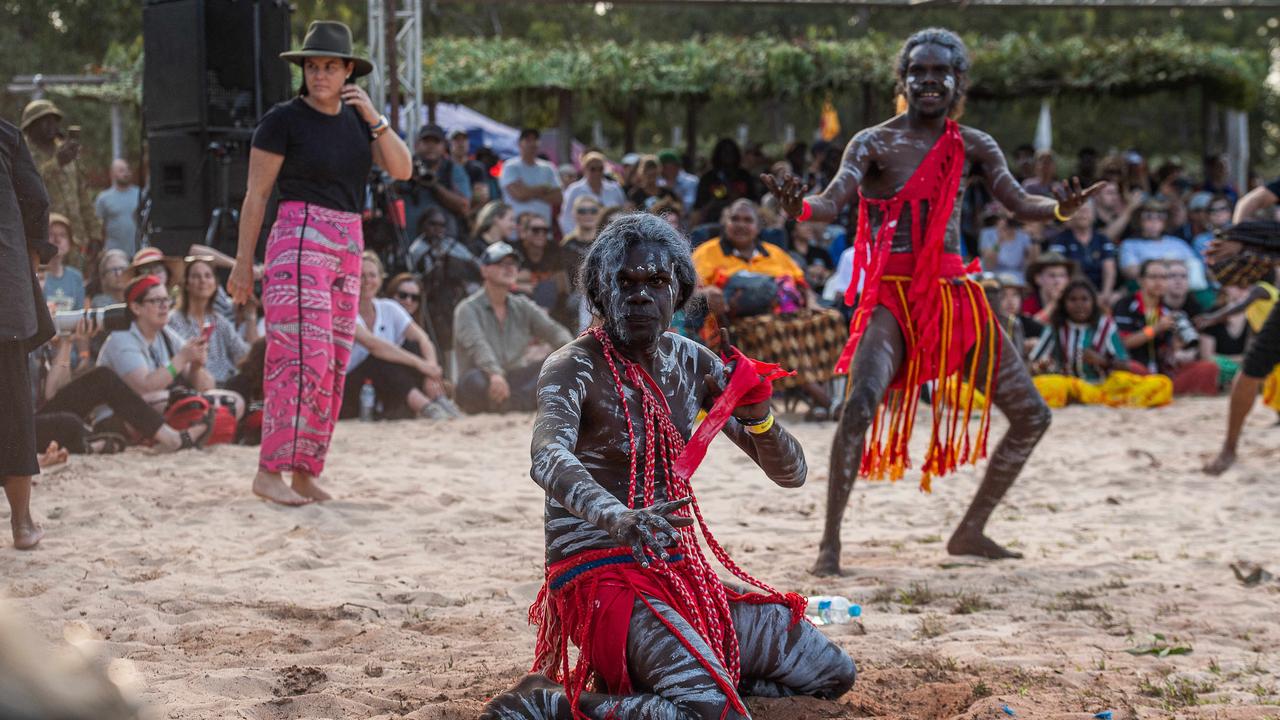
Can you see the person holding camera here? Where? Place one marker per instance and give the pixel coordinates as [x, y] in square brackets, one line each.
[1157, 337]
[437, 182]
[67, 397]
[25, 324]
[57, 156]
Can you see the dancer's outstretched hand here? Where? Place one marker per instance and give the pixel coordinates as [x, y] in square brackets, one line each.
[790, 192]
[653, 527]
[1070, 197]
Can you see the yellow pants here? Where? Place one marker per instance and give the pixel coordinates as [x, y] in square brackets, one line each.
[1120, 389]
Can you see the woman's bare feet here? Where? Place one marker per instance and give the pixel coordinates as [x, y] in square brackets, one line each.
[270, 486]
[305, 485]
[1225, 459]
[26, 533]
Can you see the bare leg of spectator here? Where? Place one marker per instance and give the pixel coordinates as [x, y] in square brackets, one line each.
[1243, 394]
[26, 531]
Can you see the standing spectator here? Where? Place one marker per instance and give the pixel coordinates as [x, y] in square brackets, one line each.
[1148, 330]
[594, 184]
[113, 266]
[568, 174]
[477, 173]
[63, 286]
[529, 183]
[57, 157]
[437, 182]
[1005, 246]
[24, 325]
[685, 184]
[1044, 174]
[195, 310]
[117, 207]
[1217, 177]
[318, 150]
[496, 222]
[1114, 210]
[725, 183]
[1047, 277]
[1092, 251]
[494, 329]
[1153, 244]
[1023, 164]
[449, 272]
[1087, 165]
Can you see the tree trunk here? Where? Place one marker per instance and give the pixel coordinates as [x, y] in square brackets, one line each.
[690, 133]
[629, 126]
[390, 73]
[564, 128]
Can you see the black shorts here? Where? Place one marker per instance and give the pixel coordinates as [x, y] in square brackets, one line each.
[17, 419]
[1263, 352]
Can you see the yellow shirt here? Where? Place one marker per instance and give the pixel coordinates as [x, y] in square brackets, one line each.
[1258, 310]
[714, 266]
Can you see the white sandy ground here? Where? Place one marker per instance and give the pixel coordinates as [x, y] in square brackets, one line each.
[406, 597]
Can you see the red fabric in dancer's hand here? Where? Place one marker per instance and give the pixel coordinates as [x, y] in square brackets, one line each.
[751, 383]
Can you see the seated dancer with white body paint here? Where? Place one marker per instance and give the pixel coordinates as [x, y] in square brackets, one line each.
[614, 446]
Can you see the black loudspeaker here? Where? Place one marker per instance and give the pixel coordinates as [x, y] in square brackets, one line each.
[213, 63]
[211, 69]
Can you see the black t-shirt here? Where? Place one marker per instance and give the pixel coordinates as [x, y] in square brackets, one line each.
[327, 158]
[1224, 343]
[1274, 187]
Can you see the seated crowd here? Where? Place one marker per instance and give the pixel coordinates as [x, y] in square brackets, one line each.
[1114, 305]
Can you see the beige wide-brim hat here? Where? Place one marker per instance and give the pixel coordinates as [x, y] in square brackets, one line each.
[326, 38]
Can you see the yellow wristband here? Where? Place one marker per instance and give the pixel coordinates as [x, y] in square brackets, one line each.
[761, 427]
[1057, 213]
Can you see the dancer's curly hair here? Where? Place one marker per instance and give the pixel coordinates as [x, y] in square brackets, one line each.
[959, 62]
[599, 272]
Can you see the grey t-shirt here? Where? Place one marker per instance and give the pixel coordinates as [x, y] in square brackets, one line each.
[126, 351]
[540, 172]
[117, 208]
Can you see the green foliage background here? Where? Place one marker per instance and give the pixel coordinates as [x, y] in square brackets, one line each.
[68, 36]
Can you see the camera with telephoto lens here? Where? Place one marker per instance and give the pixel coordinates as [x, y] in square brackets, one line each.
[1184, 329]
[109, 318]
[423, 174]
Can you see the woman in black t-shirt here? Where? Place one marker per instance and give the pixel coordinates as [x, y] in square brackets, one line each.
[317, 149]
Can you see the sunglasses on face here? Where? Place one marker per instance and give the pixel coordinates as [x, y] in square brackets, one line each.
[539, 230]
[1219, 209]
[414, 297]
[588, 210]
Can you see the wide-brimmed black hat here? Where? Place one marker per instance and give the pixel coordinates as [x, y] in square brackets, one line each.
[326, 38]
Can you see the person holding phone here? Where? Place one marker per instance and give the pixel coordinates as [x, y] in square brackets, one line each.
[57, 157]
[317, 150]
[195, 316]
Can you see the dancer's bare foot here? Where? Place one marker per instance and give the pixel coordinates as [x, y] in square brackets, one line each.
[52, 456]
[26, 533]
[980, 545]
[514, 702]
[828, 564]
[305, 485]
[1219, 464]
[270, 486]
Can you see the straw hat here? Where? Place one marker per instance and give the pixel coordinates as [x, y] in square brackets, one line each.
[37, 109]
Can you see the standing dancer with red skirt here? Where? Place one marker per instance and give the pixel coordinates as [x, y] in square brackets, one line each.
[318, 148]
[658, 634]
[919, 318]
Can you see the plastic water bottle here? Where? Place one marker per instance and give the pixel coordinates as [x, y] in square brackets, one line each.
[831, 609]
[367, 399]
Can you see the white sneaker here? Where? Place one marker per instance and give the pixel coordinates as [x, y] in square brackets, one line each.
[433, 411]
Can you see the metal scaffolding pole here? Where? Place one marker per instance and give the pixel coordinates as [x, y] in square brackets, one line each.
[407, 55]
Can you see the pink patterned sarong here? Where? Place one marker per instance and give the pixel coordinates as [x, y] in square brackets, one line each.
[310, 293]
